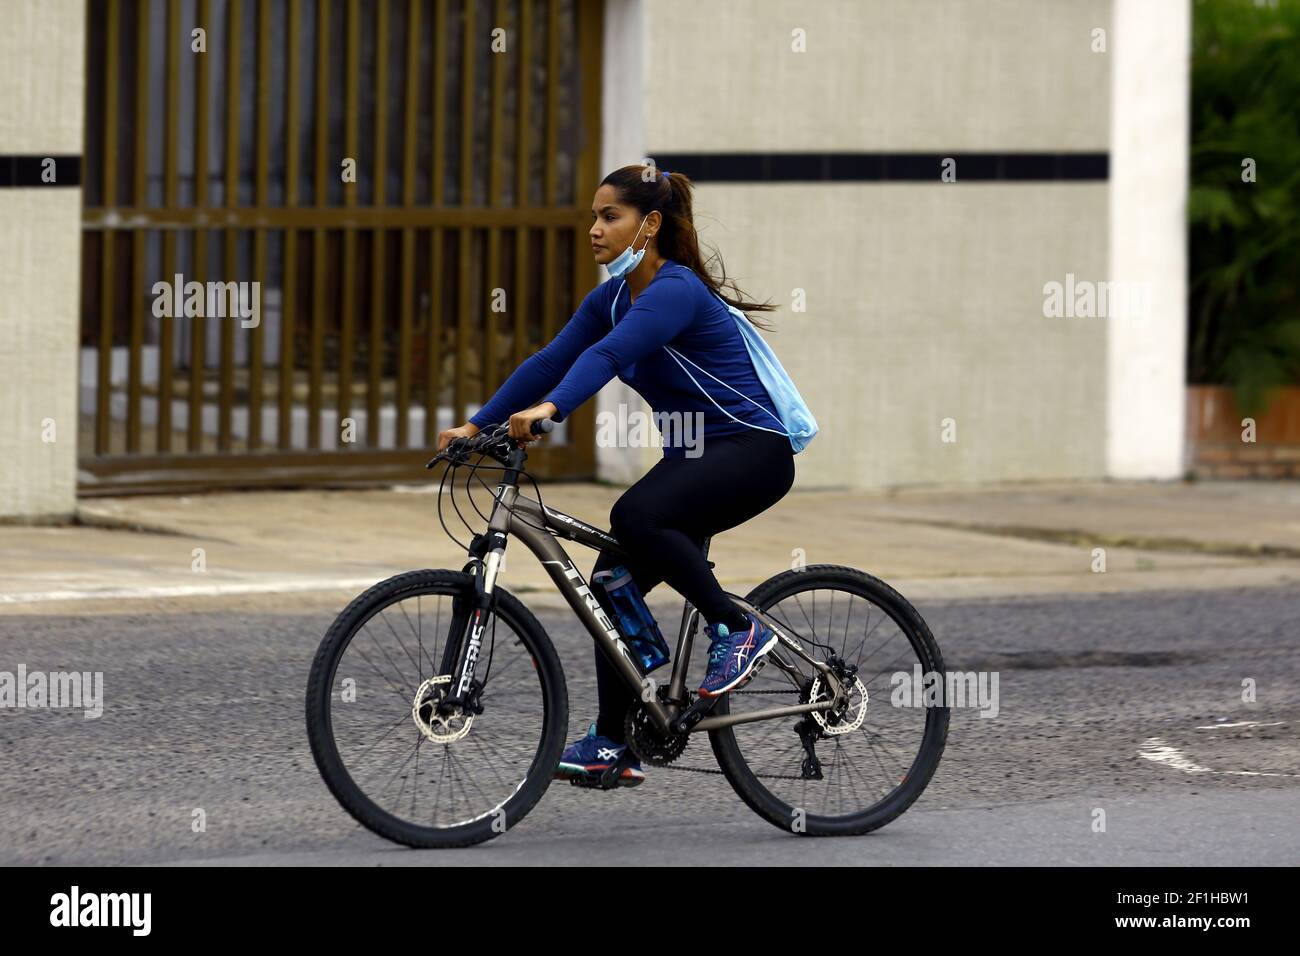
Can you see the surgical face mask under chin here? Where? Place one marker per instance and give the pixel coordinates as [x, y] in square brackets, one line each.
[628, 260]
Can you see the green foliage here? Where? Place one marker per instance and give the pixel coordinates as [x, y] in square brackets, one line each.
[1244, 240]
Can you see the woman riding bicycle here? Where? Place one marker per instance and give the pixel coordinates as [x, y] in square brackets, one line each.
[664, 328]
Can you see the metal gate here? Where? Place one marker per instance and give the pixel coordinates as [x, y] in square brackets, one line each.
[318, 232]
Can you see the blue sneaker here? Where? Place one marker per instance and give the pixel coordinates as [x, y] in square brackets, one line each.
[733, 654]
[591, 754]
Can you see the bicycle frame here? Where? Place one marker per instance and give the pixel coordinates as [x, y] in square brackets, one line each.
[538, 527]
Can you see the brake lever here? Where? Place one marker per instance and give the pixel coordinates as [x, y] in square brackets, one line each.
[447, 454]
[497, 436]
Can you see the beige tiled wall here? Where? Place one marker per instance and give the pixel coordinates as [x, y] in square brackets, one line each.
[924, 300]
[42, 51]
[876, 75]
[926, 303]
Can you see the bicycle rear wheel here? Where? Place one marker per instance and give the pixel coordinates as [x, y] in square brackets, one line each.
[396, 763]
[875, 759]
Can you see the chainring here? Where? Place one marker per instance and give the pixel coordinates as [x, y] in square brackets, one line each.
[646, 741]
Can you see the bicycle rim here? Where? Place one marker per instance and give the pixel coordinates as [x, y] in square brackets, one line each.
[396, 765]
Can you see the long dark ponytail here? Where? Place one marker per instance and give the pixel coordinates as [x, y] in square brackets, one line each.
[649, 189]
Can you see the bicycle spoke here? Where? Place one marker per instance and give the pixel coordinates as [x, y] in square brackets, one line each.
[399, 769]
[888, 667]
[438, 788]
[878, 648]
[812, 627]
[847, 618]
[400, 720]
[415, 790]
[884, 744]
[505, 669]
[388, 657]
[492, 767]
[862, 775]
[469, 777]
[437, 629]
[384, 677]
[414, 662]
[876, 755]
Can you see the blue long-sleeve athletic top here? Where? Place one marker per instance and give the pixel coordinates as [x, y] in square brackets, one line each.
[675, 309]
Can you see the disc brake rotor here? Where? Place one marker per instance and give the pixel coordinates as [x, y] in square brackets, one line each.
[440, 728]
[845, 719]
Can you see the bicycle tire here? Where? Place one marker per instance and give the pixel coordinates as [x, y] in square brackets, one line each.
[325, 749]
[771, 807]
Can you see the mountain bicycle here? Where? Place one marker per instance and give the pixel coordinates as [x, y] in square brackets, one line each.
[437, 708]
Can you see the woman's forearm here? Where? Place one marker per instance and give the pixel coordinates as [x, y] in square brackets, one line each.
[532, 379]
[542, 370]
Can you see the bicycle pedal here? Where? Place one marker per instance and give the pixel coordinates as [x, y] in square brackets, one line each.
[601, 781]
[612, 776]
[608, 779]
[762, 662]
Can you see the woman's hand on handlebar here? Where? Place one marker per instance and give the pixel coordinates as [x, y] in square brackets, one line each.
[521, 423]
[445, 438]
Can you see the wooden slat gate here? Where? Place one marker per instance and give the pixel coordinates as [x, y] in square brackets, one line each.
[252, 312]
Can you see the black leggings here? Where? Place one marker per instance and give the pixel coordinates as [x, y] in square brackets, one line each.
[662, 521]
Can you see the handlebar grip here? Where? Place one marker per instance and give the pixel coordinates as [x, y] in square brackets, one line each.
[542, 426]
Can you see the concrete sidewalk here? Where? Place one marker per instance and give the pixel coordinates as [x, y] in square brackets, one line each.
[280, 549]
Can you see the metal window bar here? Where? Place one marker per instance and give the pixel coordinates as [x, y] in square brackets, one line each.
[474, 169]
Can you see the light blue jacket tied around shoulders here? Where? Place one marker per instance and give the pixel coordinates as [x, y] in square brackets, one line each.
[795, 417]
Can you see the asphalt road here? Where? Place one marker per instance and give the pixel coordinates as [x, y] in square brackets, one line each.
[1114, 703]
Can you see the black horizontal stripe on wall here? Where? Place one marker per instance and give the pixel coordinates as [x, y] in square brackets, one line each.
[29, 171]
[885, 167]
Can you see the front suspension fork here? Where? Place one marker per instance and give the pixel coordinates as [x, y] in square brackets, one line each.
[471, 615]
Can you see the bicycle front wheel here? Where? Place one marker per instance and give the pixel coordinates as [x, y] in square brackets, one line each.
[852, 770]
[407, 768]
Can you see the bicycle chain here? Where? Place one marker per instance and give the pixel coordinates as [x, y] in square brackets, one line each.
[760, 776]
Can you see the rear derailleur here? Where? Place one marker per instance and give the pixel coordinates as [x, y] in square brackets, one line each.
[809, 728]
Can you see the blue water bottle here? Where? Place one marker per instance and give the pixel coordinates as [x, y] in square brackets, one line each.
[633, 617]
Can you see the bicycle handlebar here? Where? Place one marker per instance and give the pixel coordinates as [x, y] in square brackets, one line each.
[488, 442]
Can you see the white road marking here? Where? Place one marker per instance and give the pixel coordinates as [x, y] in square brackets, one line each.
[1157, 750]
[1243, 723]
